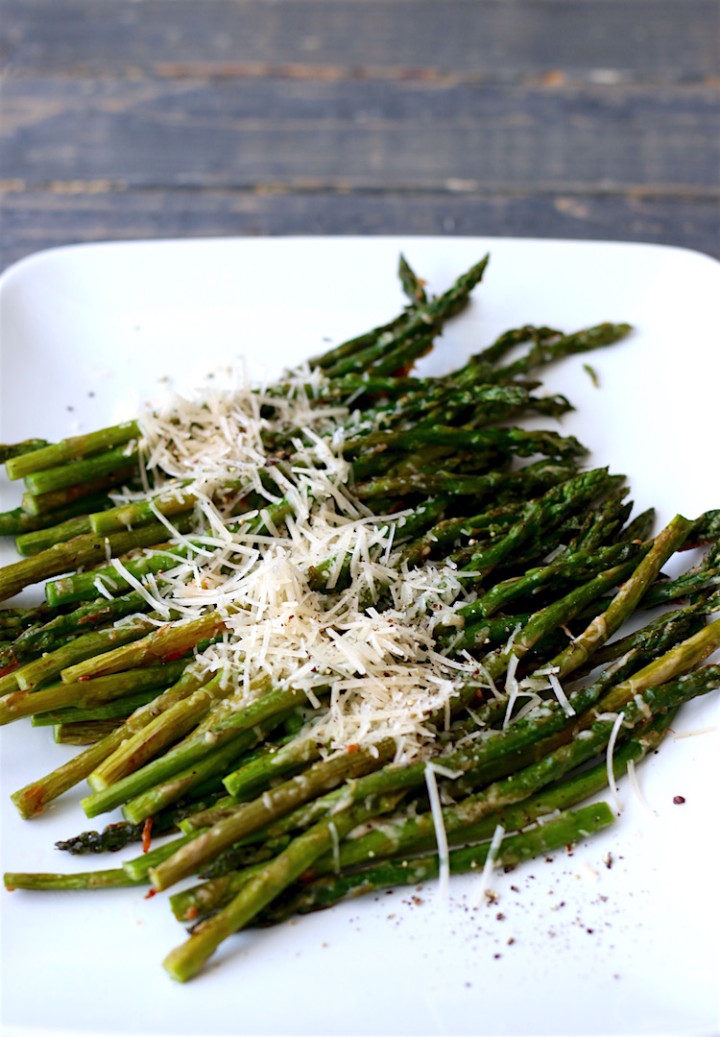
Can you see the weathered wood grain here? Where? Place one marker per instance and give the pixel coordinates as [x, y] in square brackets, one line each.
[649, 40]
[566, 118]
[400, 136]
[38, 220]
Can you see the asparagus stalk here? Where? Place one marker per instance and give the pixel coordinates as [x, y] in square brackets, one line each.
[567, 830]
[32, 543]
[399, 836]
[416, 438]
[69, 450]
[274, 763]
[320, 777]
[201, 743]
[495, 664]
[419, 321]
[528, 480]
[49, 503]
[215, 765]
[88, 646]
[546, 351]
[75, 473]
[280, 873]
[20, 522]
[84, 550]
[678, 660]
[83, 732]
[10, 450]
[626, 600]
[46, 637]
[33, 798]
[112, 878]
[61, 695]
[412, 285]
[162, 643]
[186, 961]
[417, 834]
[577, 565]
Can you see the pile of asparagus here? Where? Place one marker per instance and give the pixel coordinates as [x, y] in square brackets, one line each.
[544, 565]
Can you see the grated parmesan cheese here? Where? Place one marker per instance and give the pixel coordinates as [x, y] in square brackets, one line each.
[617, 724]
[375, 668]
[512, 688]
[560, 694]
[489, 865]
[440, 833]
[635, 786]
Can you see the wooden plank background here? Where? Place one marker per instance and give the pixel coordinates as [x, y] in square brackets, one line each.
[550, 118]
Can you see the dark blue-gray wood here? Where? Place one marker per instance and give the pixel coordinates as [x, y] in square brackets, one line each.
[549, 118]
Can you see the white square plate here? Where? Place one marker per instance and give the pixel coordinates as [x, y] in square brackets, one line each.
[572, 946]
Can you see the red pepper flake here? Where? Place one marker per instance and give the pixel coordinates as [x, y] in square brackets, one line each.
[146, 834]
[353, 747]
[678, 800]
[150, 893]
[172, 657]
[191, 913]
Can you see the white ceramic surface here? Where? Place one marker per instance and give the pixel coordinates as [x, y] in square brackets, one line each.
[572, 946]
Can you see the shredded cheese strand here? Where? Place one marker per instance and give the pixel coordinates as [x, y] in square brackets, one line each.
[489, 865]
[440, 833]
[384, 675]
[612, 784]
